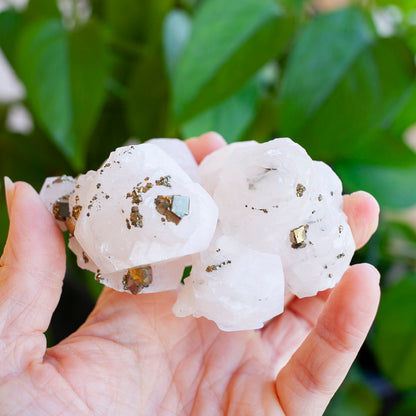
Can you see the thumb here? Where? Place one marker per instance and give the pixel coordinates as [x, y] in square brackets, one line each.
[32, 265]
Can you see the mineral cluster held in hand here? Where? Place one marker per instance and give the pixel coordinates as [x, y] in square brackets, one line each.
[267, 221]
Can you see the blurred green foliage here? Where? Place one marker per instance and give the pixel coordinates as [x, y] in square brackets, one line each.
[336, 82]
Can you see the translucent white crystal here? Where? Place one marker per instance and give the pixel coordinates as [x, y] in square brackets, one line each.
[167, 275]
[275, 201]
[54, 189]
[179, 151]
[114, 236]
[141, 218]
[233, 285]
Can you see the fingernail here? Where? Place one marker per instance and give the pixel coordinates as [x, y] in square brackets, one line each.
[373, 271]
[9, 190]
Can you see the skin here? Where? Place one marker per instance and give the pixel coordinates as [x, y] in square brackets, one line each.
[134, 357]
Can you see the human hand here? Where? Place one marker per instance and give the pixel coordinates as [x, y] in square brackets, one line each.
[134, 357]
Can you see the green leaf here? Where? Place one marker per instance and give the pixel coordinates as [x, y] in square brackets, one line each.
[395, 335]
[139, 21]
[230, 118]
[41, 10]
[391, 186]
[229, 43]
[64, 74]
[381, 149]
[264, 126]
[354, 397]
[176, 31]
[406, 117]
[148, 103]
[405, 5]
[406, 407]
[10, 26]
[337, 88]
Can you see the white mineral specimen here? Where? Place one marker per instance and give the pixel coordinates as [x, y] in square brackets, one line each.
[55, 190]
[140, 208]
[135, 220]
[235, 286]
[275, 201]
[179, 151]
[141, 218]
[166, 275]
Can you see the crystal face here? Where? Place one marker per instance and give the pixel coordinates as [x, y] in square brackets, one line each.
[120, 227]
[117, 231]
[233, 285]
[266, 222]
[274, 201]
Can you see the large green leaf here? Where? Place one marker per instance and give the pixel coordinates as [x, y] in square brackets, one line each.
[337, 88]
[64, 74]
[395, 333]
[229, 43]
[229, 118]
[393, 187]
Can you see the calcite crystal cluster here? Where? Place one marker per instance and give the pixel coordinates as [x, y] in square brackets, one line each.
[280, 228]
[264, 221]
[134, 221]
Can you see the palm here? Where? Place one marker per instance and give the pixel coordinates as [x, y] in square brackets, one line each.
[133, 356]
[133, 351]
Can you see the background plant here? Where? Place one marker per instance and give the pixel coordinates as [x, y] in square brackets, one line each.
[340, 82]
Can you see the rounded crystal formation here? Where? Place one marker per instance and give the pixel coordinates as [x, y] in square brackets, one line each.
[140, 208]
[233, 285]
[142, 217]
[135, 221]
[276, 202]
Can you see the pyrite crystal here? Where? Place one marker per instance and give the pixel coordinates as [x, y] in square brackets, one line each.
[173, 207]
[137, 279]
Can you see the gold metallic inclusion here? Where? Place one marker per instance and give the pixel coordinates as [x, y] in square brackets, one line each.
[61, 209]
[137, 279]
[213, 267]
[76, 210]
[70, 225]
[164, 181]
[298, 236]
[135, 217]
[85, 258]
[300, 189]
[172, 207]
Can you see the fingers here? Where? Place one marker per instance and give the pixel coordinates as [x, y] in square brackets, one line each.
[307, 383]
[362, 211]
[33, 264]
[284, 334]
[204, 145]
